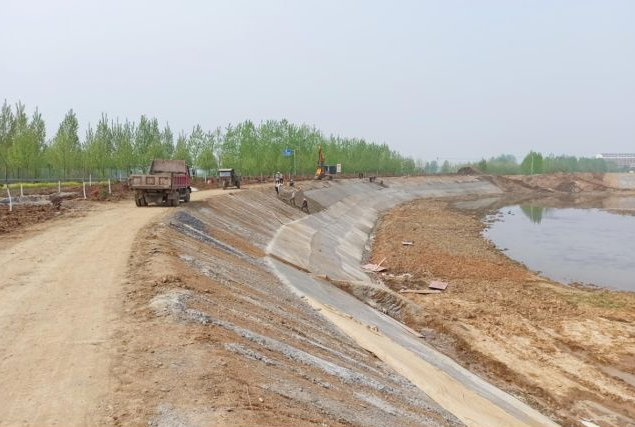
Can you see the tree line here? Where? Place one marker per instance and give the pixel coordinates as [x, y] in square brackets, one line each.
[113, 147]
[537, 163]
[532, 163]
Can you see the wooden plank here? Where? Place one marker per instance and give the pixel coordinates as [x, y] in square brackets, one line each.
[420, 291]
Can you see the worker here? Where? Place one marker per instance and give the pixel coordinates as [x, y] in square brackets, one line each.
[305, 205]
[292, 199]
[278, 187]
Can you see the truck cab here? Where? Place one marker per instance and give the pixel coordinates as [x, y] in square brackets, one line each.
[229, 178]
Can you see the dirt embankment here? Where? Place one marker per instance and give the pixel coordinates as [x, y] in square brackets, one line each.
[557, 183]
[209, 336]
[567, 351]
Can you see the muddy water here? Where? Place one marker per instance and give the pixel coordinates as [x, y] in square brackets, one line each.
[590, 246]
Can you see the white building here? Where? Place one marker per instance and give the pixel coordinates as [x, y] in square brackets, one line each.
[622, 160]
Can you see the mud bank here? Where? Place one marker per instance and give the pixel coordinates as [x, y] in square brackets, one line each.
[568, 351]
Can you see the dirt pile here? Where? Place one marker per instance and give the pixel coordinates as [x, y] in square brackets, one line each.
[550, 343]
[557, 183]
[22, 216]
[30, 210]
[469, 170]
[560, 182]
[39, 205]
[118, 191]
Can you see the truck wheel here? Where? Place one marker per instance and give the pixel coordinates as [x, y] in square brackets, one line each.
[187, 195]
[237, 184]
[140, 200]
[176, 199]
[225, 184]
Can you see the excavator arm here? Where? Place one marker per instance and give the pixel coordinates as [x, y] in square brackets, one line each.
[319, 172]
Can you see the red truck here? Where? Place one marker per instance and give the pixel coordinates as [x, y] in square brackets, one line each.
[169, 182]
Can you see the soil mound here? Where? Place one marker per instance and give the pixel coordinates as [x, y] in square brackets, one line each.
[469, 170]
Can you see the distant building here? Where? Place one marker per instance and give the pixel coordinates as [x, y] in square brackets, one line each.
[622, 160]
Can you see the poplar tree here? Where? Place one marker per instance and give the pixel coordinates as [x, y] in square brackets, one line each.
[182, 152]
[28, 141]
[532, 163]
[167, 142]
[99, 147]
[195, 144]
[65, 149]
[124, 155]
[6, 136]
[206, 159]
[148, 142]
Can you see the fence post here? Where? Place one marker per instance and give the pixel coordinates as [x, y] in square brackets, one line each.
[90, 179]
[84, 188]
[59, 186]
[21, 191]
[109, 189]
[10, 201]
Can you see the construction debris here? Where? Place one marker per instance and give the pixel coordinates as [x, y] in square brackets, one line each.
[375, 267]
[435, 284]
[420, 291]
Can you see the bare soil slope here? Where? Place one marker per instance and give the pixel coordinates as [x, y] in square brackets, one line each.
[210, 337]
[569, 351]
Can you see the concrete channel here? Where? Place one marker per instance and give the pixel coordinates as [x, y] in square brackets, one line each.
[332, 242]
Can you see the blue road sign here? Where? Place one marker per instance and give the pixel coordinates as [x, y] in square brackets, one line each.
[287, 152]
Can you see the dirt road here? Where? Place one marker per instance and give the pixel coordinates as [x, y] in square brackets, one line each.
[60, 289]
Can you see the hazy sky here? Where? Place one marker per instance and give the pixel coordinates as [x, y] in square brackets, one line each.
[447, 79]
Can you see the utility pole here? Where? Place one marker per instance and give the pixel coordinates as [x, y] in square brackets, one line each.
[532, 163]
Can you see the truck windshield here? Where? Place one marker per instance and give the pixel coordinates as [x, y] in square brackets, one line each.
[224, 173]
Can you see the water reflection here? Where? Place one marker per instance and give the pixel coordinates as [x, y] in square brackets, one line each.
[571, 245]
[534, 213]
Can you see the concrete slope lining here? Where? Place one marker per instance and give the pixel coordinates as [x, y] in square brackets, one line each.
[468, 397]
[332, 241]
[311, 242]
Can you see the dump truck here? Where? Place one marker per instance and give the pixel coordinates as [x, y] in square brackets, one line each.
[168, 182]
[229, 178]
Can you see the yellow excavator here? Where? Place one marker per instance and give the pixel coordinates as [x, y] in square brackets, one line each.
[323, 170]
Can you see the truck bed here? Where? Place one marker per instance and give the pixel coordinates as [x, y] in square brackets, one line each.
[162, 181]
